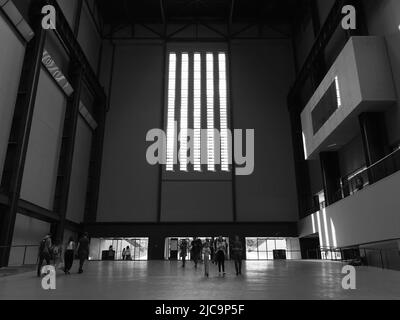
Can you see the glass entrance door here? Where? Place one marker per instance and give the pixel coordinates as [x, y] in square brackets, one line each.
[138, 248]
[173, 248]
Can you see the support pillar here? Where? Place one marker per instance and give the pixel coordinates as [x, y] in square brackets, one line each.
[330, 176]
[96, 163]
[67, 148]
[303, 185]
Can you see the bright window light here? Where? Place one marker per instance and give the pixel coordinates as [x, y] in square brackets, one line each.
[223, 105]
[197, 112]
[184, 112]
[210, 112]
[338, 94]
[171, 112]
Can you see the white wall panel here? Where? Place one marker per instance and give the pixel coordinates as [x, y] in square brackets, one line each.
[12, 53]
[80, 172]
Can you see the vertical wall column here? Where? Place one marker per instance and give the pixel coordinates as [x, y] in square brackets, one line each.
[232, 125]
[374, 136]
[305, 201]
[96, 158]
[67, 148]
[20, 131]
[330, 175]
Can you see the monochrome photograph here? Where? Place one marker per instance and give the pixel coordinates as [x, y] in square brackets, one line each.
[200, 157]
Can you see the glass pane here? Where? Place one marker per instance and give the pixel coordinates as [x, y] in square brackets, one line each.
[251, 248]
[280, 244]
[262, 255]
[262, 245]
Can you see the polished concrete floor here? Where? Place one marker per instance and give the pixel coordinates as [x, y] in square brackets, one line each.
[167, 280]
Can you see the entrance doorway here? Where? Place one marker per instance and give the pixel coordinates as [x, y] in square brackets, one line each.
[112, 248]
[310, 248]
[173, 251]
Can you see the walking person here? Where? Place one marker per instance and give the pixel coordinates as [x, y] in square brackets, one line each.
[220, 247]
[212, 248]
[128, 253]
[44, 253]
[183, 247]
[69, 255]
[123, 254]
[207, 254]
[83, 251]
[56, 252]
[196, 250]
[111, 253]
[237, 255]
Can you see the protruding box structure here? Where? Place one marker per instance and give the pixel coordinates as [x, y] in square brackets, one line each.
[352, 86]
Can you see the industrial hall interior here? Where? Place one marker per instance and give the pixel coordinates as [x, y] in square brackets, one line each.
[199, 149]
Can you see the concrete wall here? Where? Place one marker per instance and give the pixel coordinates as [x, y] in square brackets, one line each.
[383, 18]
[370, 215]
[69, 8]
[89, 38]
[129, 186]
[261, 73]
[11, 60]
[40, 172]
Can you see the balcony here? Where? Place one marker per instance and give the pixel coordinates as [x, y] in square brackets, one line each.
[358, 181]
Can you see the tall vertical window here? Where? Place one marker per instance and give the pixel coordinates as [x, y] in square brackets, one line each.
[223, 106]
[197, 112]
[171, 112]
[184, 111]
[210, 113]
[202, 101]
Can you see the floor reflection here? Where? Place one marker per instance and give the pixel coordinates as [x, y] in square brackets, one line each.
[168, 280]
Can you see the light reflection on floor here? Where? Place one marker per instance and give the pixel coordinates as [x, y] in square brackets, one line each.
[167, 280]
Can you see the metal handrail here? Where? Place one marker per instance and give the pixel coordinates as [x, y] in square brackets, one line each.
[349, 184]
[363, 256]
[361, 179]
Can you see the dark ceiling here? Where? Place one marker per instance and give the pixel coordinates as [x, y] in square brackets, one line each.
[160, 11]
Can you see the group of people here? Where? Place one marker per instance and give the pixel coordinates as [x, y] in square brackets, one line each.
[214, 250]
[52, 252]
[126, 254]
